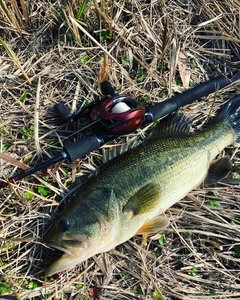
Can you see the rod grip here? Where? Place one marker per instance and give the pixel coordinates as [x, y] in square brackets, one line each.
[187, 97]
[84, 146]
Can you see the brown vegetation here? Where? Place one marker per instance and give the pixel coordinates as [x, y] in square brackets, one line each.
[46, 57]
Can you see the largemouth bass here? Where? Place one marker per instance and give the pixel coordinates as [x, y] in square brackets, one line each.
[132, 191]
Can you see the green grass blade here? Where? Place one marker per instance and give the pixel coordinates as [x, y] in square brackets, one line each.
[82, 9]
[5, 11]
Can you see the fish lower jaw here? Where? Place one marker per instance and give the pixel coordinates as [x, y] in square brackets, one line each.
[65, 262]
[70, 257]
[68, 261]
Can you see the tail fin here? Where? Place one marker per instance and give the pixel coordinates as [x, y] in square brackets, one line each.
[230, 114]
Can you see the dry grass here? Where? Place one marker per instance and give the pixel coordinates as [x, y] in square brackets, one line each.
[42, 63]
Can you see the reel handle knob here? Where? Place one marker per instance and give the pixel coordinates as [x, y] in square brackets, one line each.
[63, 111]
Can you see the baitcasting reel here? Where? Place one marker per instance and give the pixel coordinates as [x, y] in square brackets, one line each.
[118, 114]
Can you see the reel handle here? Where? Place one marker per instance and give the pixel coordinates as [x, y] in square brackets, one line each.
[63, 111]
[107, 89]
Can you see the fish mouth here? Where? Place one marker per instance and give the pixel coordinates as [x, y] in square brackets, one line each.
[60, 247]
[70, 245]
[74, 253]
[67, 261]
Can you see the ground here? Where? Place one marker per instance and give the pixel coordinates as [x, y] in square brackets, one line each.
[149, 50]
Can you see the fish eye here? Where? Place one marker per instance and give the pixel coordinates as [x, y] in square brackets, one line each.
[63, 225]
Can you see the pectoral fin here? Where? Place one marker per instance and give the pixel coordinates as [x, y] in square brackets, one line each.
[155, 225]
[144, 201]
[218, 170]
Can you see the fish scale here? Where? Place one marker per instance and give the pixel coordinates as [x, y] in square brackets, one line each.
[130, 194]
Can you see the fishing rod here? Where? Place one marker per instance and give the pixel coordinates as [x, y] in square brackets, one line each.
[120, 114]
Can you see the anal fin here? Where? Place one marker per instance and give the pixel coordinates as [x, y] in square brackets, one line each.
[154, 225]
[218, 170]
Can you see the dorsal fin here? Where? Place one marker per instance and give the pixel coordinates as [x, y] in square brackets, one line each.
[110, 152]
[174, 125]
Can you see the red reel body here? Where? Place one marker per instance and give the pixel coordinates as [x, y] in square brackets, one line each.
[120, 114]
